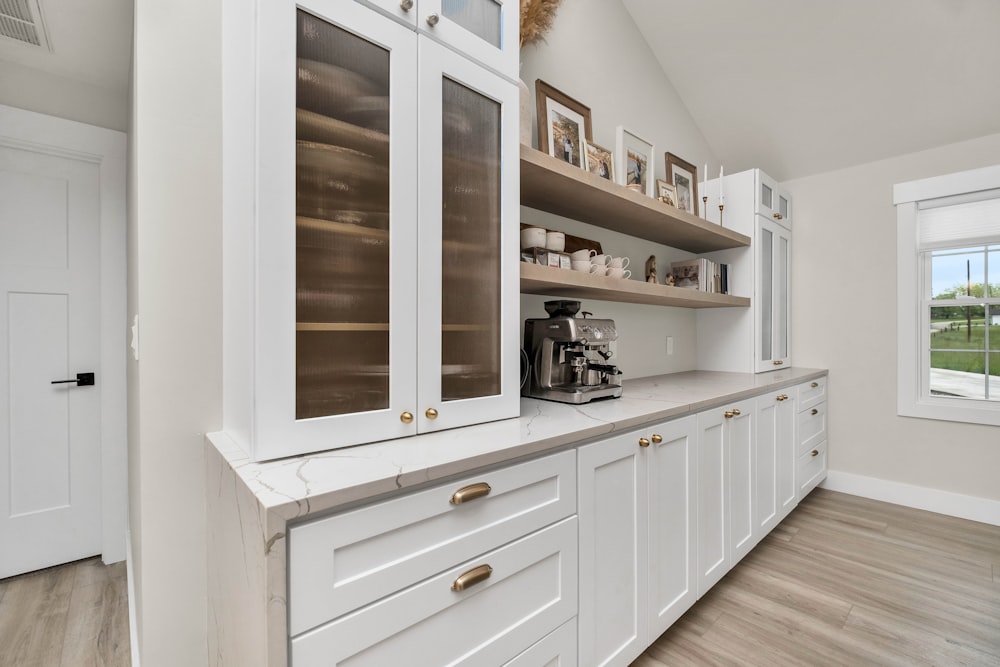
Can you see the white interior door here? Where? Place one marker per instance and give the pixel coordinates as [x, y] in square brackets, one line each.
[50, 318]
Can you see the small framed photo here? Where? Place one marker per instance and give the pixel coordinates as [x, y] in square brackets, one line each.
[666, 192]
[634, 161]
[600, 161]
[563, 124]
[684, 177]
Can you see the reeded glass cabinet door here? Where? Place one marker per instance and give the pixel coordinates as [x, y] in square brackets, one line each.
[772, 313]
[485, 30]
[336, 226]
[468, 201]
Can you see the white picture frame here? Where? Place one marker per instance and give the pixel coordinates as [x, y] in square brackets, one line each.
[634, 161]
[567, 137]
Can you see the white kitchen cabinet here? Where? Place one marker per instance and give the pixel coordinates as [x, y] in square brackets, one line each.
[557, 649]
[637, 539]
[725, 490]
[362, 160]
[757, 339]
[811, 440]
[485, 30]
[774, 460]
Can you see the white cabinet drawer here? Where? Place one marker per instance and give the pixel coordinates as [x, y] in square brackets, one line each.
[811, 469]
[557, 649]
[346, 561]
[531, 591]
[811, 428]
[812, 393]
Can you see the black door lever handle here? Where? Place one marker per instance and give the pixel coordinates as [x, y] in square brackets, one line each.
[82, 380]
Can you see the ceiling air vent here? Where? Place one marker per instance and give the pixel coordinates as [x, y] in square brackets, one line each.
[22, 20]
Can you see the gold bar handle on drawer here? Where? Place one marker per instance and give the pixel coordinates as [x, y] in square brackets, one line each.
[814, 411]
[472, 577]
[814, 452]
[470, 492]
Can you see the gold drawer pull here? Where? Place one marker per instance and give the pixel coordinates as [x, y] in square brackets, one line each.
[814, 411]
[814, 384]
[728, 414]
[815, 452]
[643, 442]
[657, 438]
[782, 397]
[472, 577]
[778, 362]
[470, 492]
[736, 412]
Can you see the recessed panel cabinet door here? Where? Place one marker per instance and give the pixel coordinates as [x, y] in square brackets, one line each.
[469, 201]
[335, 355]
[713, 499]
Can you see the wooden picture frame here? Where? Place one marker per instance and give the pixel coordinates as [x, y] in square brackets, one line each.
[600, 161]
[666, 192]
[564, 124]
[634, 157]
[684, 177]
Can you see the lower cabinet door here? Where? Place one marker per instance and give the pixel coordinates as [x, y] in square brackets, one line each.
[613, 516]
[557, 649]
[713, 499]
[530, 591]
[741, 483]
[673, 574]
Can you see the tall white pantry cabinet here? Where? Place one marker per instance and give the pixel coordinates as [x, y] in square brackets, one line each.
[755, 339]
[370, 193]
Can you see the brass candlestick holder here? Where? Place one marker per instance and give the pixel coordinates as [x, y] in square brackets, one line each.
[721, 207]
[704, 205]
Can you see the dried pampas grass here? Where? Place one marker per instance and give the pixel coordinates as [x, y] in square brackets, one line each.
[536, 19]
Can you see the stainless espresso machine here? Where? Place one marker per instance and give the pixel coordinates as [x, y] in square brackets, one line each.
[568, 356]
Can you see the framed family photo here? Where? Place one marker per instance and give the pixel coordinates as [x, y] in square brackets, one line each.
[666, 192]
[563, 125]
[684, 177]
[634, 161]
[600, 161]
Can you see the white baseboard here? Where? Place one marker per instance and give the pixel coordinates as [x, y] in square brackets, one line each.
[133, 626]
[983, 510]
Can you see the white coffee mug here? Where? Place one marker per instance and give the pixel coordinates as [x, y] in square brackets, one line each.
[618, 263]
[618, 272]
[584, 255]
[584, 266]
[555, 241]
[598, 270]
[600, 259]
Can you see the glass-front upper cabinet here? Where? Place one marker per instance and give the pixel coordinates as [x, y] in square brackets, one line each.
[484, 30]
[381, 289]
[772, 312]
[773, 202]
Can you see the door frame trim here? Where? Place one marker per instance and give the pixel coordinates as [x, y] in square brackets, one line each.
[108, 149]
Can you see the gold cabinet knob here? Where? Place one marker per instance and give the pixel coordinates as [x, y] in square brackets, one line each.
[643, 442]
[782, 397]
[777, 216]
[433, 19]
[728, 414]
[778, 362]
[406, 5]
[431, 413]
[472, 577]
[814, 411]
[736, 412]
[471, 492]
[657, 438]
[406, 417]
[814, 452]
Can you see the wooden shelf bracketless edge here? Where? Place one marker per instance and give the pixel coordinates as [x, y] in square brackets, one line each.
[551, 281]
[554, 186]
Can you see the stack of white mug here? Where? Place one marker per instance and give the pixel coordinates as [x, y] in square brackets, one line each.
[588, 261]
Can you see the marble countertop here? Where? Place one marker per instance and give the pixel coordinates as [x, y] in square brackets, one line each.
[294, 487]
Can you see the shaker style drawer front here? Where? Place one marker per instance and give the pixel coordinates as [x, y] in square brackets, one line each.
[346, 561]
[557, 649]
[812, 428]
[812, 393]
[530, 591]
[811, 469]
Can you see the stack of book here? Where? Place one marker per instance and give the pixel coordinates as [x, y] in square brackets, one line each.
[701, 274]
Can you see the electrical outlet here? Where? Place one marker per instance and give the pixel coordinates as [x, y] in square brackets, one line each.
[670, 345]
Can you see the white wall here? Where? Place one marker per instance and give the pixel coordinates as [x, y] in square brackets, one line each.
[595, 54]
[35, 90]
[176, 287]
[844, 318]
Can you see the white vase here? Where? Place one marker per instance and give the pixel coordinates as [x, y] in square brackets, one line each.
[525, 112]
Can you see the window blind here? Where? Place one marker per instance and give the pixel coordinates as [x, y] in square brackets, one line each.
[953, 221]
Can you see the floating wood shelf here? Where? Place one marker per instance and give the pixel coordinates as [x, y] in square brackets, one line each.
[552, 185]
[551, 281]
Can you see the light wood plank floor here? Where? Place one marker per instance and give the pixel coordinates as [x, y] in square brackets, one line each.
[850, 581]
[74, 615]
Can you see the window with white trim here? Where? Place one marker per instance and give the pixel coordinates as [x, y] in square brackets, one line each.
[948, 297]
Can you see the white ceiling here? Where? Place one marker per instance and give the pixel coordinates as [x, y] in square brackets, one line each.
[799, 87]
[795, 87]
[91, 42]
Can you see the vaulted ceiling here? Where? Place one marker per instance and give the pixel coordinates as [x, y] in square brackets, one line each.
[796, 87]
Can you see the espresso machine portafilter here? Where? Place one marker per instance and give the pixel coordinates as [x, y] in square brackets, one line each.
[569, 356]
